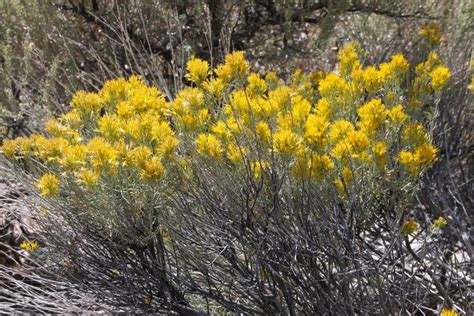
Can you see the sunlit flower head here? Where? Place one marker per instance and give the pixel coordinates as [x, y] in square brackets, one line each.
[198, 70]
[48, 185]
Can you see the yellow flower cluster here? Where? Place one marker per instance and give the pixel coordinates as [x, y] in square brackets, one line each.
[432, 75]
[198, 70]
[234, 68]
[48, 185]
[409, 227]
[209, 145]
[448, 312]
[330, 128]
[329, 138]
[439, 77]
[431, 32]
[419, 160]
[29, 246]
[125, 127]
[349, 58]
[439, 223]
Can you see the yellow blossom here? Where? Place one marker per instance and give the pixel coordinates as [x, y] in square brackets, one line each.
[48, 185]
[324, 108]
[341, 151]
[55, 128]
[256, 85]
[189, 98]
[71, 119]
[332, 86]
[395, 70]
[73, 157]
[114, 91]
[203, 117]
[220, 130]
[358, 141]
[198, 70]
[214, 86]
[9, 148]
[327, 136]
[263, 132]
[396, 114]
[426, 154]
[125, 110]
[399, 64]
[29, 245]
[86, 103]
[234, 126]
[416, 162]
[372, 79]
[167, 147]
[431, 32]
[48, 149]
[142, 98]
[301, 110]
[24, 145]
[110, 126]
[372, 114]
[409, 227]
[379, 150]
[439, 223]
[161, 131]
[448, 312]
[340, 129]
[139, 156]
[240, 105]
[87, 177]
[280, 99]
[349, 57]
[439, 77]
[236, 153]
[102, 154]
[209, 145]
[152, 170]
[234, 68]
[286, 142]
[315, 131]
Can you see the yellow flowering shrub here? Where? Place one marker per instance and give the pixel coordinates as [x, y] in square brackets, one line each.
[333, 129]
[235, 166]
